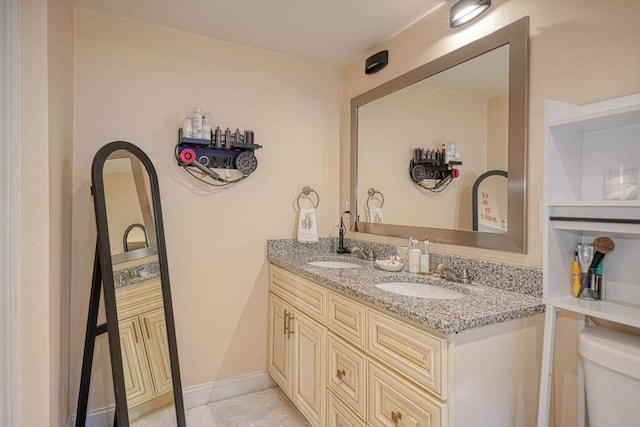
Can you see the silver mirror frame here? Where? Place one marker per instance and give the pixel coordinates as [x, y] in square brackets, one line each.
[516, 36]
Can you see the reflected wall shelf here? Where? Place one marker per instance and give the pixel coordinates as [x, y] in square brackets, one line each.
[579, 142]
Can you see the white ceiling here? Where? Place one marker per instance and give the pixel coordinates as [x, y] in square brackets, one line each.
[331, 31]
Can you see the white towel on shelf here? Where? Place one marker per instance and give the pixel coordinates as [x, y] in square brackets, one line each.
[307, 226]
[375, 215]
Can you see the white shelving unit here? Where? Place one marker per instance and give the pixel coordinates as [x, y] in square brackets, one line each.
[579, 142]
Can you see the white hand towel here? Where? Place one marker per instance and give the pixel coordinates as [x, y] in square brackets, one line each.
[307, 226]
[375, 215]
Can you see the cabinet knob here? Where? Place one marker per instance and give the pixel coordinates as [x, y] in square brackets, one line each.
[341, 373]
[396, 417]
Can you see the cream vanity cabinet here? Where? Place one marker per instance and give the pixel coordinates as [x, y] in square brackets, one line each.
[143, 340]
[297, 339]
[346, 363]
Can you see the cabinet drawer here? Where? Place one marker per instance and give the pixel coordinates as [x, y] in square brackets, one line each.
[347, 318]
[413, 352]
[138, 298]
[396, 402]
[310, 297]
[346, 374]
[339, 415]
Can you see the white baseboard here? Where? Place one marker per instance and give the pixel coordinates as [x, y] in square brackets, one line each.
[197, 395]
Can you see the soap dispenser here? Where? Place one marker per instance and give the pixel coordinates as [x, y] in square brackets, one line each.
[414, 256]
[424, 257]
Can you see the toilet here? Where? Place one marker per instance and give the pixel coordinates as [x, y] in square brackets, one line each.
[611, 362]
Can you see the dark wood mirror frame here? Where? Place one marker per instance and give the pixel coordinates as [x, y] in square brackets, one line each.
[103, 278]
[516, 36]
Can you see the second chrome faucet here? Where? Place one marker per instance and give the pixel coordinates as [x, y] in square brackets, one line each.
[369, 255]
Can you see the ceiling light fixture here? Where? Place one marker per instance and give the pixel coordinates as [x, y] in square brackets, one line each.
[467, 10]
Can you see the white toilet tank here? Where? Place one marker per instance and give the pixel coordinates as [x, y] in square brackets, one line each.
[611, 361]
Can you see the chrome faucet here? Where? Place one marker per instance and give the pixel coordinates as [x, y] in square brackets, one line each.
[449, 273]
[370, 255]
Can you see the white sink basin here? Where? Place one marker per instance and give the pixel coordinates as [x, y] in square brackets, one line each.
[334, 264]
[419, 290]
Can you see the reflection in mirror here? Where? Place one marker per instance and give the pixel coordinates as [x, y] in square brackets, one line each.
[469, 113]
[138, 290]
[135, 237]
[489, 207]
[473, 99]
[127, 195]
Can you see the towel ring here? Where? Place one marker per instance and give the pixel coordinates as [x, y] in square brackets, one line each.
[372, 193]
[306, 190]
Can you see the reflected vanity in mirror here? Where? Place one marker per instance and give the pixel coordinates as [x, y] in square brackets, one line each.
[131, 266]
[474, 98]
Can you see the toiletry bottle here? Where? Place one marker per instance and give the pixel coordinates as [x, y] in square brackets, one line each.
[196, 123]
[598, 282]
[575, 274]
[206, 129]
[186, 128]
[414, 256]
[424, 257]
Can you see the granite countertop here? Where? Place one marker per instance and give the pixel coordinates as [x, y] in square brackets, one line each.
[136, 274]
[482, 304]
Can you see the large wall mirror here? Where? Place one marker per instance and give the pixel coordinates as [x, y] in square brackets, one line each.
[133, 270]
[476, 98]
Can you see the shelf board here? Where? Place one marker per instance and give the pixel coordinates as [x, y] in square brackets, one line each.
[595, 203]
[614, 216]
[623, 116]
[601, 227]
[618, 313]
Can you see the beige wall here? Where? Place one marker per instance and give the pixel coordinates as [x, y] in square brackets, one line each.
[581, 51]
[45, 117]
[135, 82]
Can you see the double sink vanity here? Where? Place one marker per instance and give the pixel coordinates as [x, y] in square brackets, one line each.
[353, 345]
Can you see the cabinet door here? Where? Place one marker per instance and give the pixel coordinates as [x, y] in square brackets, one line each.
[155, 334]
[308, 391]
[279, 347]
[137, 376]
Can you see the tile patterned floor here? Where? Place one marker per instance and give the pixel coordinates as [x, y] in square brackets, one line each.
[266, 408]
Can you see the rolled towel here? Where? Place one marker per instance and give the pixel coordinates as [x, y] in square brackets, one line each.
[307, 226]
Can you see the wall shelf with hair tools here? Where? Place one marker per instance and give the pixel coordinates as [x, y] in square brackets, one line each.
[225, 158]
[434, 169]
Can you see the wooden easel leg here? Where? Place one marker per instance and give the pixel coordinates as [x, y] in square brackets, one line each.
[89, 342]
